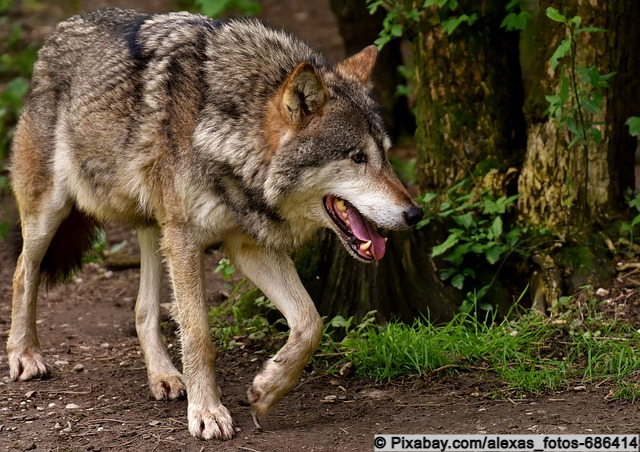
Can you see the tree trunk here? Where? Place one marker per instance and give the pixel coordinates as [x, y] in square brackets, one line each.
[469, 95]
[562, 186]
[359, 29]
[403, 285]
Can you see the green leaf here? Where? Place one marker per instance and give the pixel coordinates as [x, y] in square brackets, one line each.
[444, 246]
[560, 52]
[447, 273]
[396, 30]
[339, 322]
[458, 281]
[426, 198]
[493, 254]
[513, 236]
[596, 135]
[373, 5]
[554, 15]
[456, 256]
[563, 93]
[590, 30]
[496, 227]
[516, 21]
[465, 220]
[634, 125]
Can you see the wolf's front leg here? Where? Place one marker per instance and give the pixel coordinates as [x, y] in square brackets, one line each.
[275, 274]
[207, 416]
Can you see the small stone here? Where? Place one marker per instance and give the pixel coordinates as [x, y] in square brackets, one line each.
[154, 423]
[347, 369]
[29, 394]
[329, 399]
[71, 406]
[602, 292]
[78, 368]
[61, 362]
[104, 345]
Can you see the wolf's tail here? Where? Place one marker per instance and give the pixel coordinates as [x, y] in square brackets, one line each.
[74, 237]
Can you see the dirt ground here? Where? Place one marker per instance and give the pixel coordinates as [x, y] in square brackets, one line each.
[98, 400]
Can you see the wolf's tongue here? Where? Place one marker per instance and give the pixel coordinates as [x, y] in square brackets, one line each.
[364, 231]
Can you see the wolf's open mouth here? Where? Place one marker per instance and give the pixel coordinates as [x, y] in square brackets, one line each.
[358, 233]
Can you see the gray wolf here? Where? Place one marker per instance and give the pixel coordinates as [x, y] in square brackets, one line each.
[196, 132]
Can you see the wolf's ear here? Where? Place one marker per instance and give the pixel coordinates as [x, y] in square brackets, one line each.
[360, 65]
[303, 94]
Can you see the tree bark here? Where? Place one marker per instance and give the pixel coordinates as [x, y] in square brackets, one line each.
[403, 285]
[557, 186]
[469, 95]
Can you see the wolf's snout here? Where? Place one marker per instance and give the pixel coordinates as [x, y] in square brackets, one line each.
[413, 215]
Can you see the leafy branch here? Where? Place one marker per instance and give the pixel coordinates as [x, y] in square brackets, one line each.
[402, 15]
[580, 93]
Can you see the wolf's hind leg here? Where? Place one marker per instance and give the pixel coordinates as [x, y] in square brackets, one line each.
[165, 381]
[275, 274]
[23, 347]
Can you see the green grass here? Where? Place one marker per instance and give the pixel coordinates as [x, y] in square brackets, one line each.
[527, 354]
[531, 354]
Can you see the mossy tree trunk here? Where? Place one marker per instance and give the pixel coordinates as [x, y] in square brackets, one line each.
[561, 186]
[469, 95]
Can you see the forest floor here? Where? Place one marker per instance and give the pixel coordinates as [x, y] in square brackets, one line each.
[98, 400]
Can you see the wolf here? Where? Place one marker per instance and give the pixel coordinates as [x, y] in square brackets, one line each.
[196, 132]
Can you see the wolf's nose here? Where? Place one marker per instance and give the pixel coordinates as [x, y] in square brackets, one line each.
[413, 215]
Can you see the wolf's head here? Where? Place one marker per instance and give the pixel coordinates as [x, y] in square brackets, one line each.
[328, 155]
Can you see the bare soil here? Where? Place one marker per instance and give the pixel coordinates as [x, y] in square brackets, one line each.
[98, 400]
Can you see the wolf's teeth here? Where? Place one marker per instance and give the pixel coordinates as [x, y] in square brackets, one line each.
[348, 223]
[365, 246]
[339, 203]
[385, 239]
[368, 253]
[345, 215]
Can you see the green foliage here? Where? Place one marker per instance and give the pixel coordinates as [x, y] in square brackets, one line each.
[226, 268]
[99, 248]
[634, 126]
[476, 225]
[528, 354]
[629, 228]
[404, 14]
[247, 318]
[581, 90]
[16, 63]
[517, 17]
[216, 8]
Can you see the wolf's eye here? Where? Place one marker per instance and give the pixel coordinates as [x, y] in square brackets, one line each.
[359, 157]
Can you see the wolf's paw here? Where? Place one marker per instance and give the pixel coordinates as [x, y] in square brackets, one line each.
[265, 393]
[27, 366]
[213, 423]
[167, 387]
